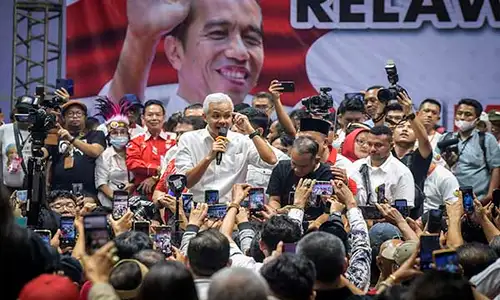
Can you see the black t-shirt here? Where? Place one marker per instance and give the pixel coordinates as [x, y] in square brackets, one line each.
[340, 294]
[418, 166]
[83, 165]
[283, 181]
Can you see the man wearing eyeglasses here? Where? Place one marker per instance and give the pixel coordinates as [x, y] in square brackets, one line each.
[73, 160]
[63, 203]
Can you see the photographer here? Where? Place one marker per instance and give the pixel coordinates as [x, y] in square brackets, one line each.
[73, 161]
[16, 150]
[475, 161]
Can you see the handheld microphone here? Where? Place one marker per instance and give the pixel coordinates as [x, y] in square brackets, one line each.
[222, 133]
[446, 143]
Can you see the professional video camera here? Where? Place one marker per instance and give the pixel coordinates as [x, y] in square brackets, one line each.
[33, 110]
[391, 93]
[319, 104]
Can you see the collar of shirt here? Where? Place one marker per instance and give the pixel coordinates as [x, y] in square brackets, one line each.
[384, 167]
[163, 135]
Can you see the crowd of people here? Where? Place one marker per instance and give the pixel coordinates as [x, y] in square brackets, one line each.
[356, 201]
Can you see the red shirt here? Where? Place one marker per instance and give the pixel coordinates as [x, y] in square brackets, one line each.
[145, 153]
[162, 186]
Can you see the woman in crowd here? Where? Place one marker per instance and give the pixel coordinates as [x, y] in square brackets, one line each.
[111, 171]
[355, 146]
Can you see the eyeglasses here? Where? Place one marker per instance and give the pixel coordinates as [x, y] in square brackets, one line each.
[69, 205]
[74, 113]
[361, 142]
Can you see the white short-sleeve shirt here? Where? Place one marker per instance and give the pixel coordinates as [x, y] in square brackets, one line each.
[440, 186]
[398, 180]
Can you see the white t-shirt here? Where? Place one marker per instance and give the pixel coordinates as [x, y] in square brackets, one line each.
[8, 146]
[440, 186]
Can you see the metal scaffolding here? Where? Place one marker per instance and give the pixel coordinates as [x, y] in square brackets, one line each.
[37, 45]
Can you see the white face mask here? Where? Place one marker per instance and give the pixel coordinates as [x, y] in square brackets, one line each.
[465, 125]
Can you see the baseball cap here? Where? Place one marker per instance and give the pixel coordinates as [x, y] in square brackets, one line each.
[49, 287]
[388, 248]
[70, 103]
[494, 116]
[404, 251]
[72, 268]
[381, 232]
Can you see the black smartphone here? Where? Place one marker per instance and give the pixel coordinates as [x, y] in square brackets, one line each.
[67, 84]
[256, 199]
[446, 260]
[288, 86]
[96, 231]
[120, 204]
[291, 197]
[434, 221]
[355, 96]
[77, 189]
[371, 213]
[289, 247]
[217, 211]
[402, 206]
[468, 199]
[381, 193]
[45, 235]
[142, 226]
[211, 197]
[428, 244]
[496, 201]
[68, 232]
[187, 202]
[40, 91]
[163, 239]
[328, 207]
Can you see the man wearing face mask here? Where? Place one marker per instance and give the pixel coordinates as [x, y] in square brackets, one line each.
[73, 161]
[477, 162]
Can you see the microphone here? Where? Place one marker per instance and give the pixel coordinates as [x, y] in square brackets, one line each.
[447, 143]
[223, 134]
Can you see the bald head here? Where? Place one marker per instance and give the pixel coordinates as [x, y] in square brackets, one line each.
[238, 284]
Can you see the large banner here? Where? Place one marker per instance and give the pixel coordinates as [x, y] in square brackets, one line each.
[179, 51]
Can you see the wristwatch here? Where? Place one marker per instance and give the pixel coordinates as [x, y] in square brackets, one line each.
[254, 134]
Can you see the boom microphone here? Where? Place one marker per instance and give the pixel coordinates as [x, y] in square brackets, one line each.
[447, 143]
[223, 134]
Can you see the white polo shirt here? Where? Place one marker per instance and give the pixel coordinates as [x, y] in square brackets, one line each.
[398, 180]
[194, 146]
[440, 186]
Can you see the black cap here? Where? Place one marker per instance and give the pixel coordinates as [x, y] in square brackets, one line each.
[317, 125]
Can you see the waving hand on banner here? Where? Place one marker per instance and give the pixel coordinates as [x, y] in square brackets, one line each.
[153, 18]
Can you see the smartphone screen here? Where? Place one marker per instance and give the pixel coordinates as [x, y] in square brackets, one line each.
[68, 232]
[162, 239]
[355, 96]
[496, 201]
[67, 84]
[288, 86]
[447, 261]
[77, 189]
[217, 211]
[289, 247]
[371, 213]
[96, 231]
[256, 197]
[402, 206]
[434, 222]
[45, 235]
[468, 199]
[320, 189]
[381, 193]
[428, 244]
[291, 197]
[142, 226]
[120, 204]
[22, 196]
[187, 201]
[211, 197]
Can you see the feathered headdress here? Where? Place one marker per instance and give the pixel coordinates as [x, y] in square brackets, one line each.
[115, 115]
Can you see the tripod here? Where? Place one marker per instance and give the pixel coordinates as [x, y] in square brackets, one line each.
[36, 185]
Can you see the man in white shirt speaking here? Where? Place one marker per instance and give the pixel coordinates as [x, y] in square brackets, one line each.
[381, 177]
[198, 150]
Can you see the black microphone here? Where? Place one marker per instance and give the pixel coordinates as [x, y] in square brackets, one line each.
[447, 143]
[222, 133]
